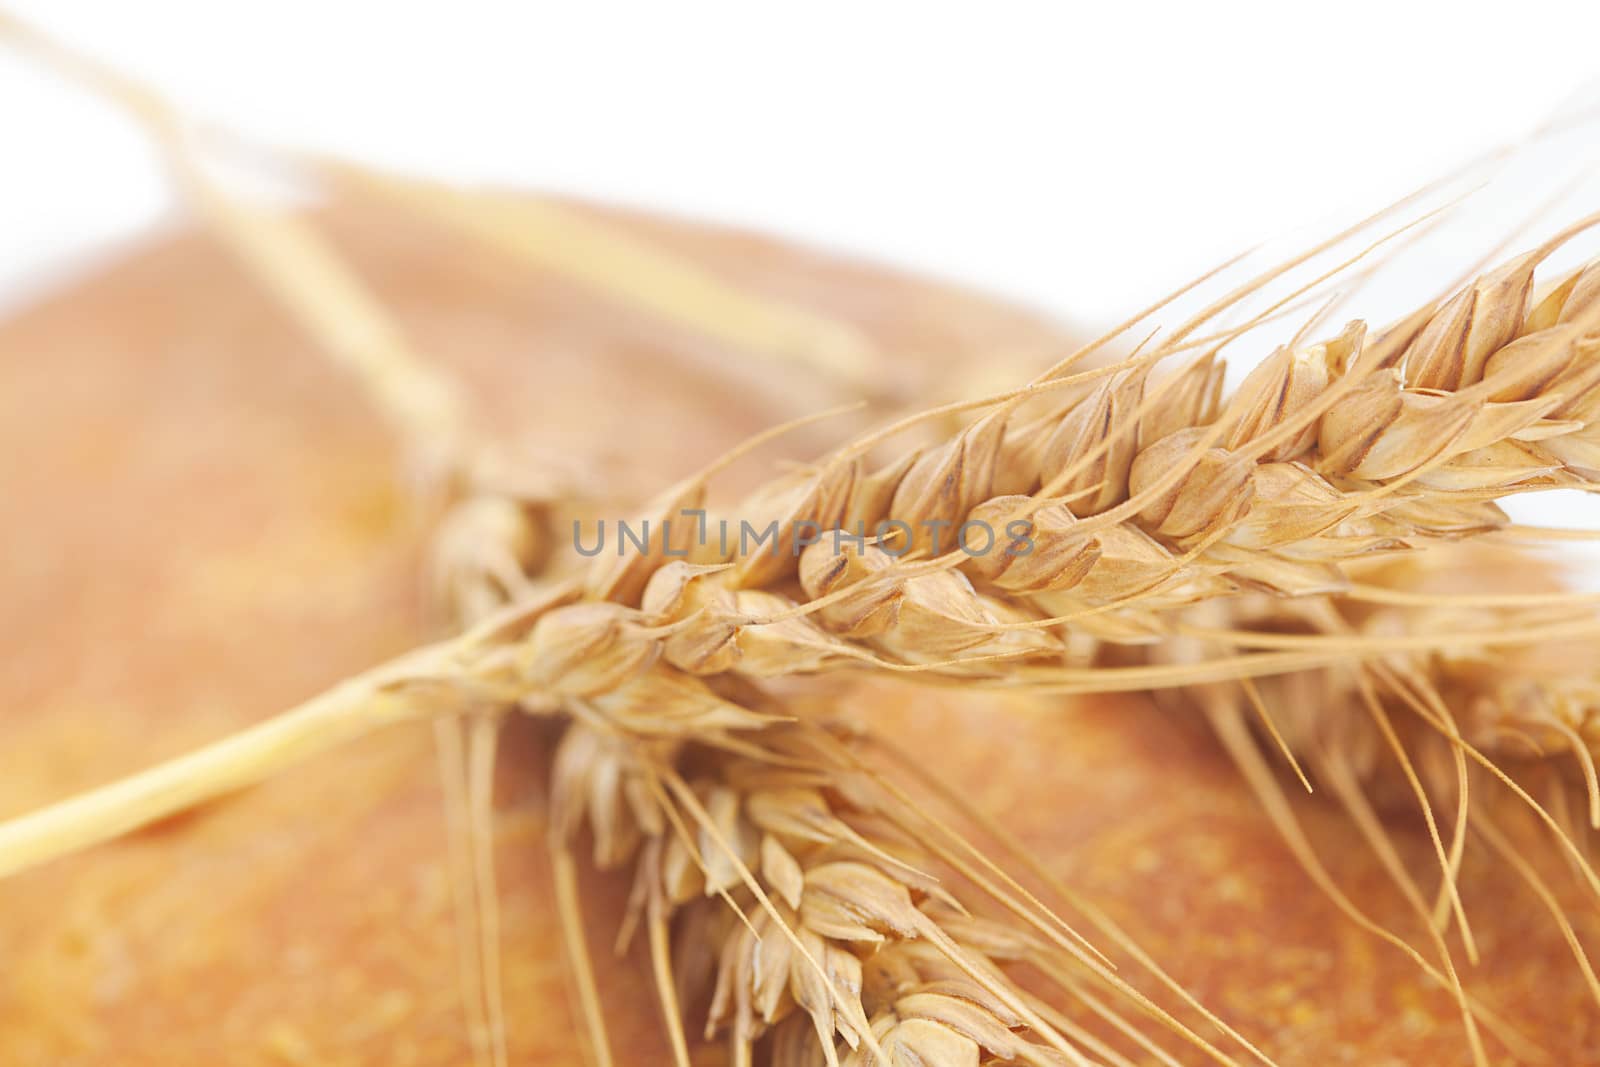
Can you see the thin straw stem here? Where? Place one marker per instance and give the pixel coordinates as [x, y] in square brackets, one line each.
[343, 713]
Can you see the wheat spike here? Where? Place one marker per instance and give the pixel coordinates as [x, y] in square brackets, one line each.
[853, 937]
[1192, 520]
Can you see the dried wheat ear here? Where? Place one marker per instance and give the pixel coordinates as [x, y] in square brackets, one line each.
[1129, 497]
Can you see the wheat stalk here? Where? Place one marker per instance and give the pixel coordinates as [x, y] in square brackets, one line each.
[543, 235]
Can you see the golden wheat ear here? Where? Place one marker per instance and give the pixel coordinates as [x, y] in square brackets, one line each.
[844, 931]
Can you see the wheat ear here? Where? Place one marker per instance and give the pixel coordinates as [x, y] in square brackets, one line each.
[1178, 521]
[842, 935]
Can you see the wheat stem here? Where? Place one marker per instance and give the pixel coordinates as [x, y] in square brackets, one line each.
[549, 236]
[565, 875]
[482, 737]
[661, 972]
[449, 734]
[350, 710]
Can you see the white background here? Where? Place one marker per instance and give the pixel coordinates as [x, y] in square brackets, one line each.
[1080, 158]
